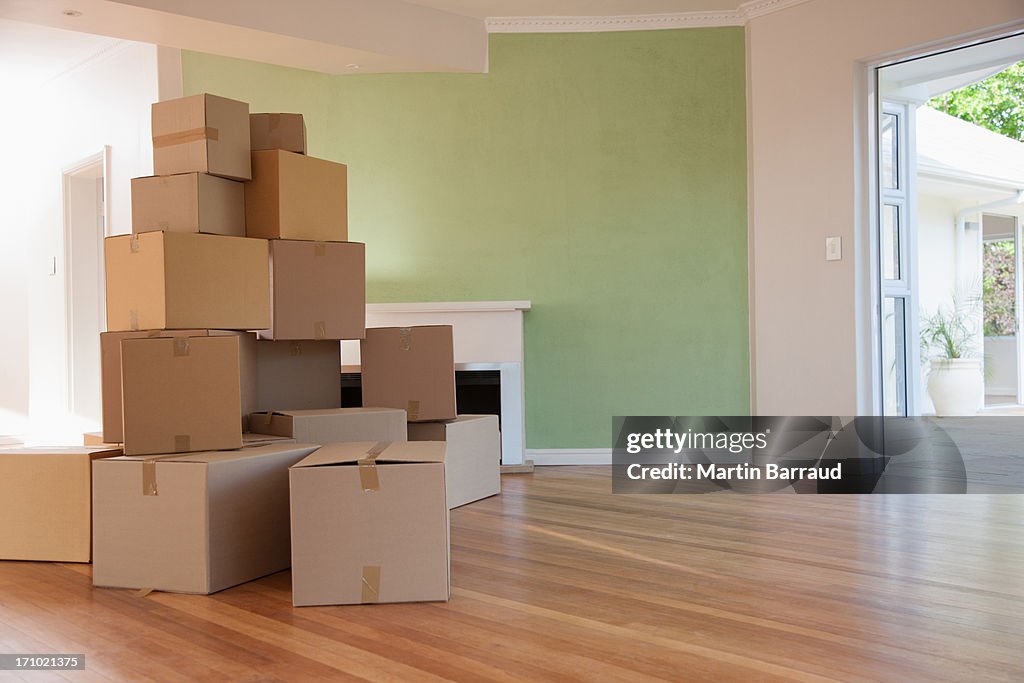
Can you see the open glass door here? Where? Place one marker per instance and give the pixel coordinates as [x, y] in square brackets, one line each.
[895, 262]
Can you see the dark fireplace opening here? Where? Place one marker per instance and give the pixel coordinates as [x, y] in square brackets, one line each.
[477, 392]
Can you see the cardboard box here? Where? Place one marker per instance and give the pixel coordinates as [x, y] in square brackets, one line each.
[183, 281]
[370, 524]
[297, 374]
[110, 373]
[332, 426]
[189, 202]
[197, 523]
[411, 368]
[203, 133]
[472, 465]
[318, 290]
[296, 197]
[45, 502]
[181, 394]
[277, 131]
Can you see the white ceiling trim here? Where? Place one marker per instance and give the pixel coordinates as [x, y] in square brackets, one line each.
[638, 22]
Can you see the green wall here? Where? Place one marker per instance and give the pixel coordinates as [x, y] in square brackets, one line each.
[601, 176]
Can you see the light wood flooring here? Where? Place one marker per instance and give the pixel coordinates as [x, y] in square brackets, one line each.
[558, 579]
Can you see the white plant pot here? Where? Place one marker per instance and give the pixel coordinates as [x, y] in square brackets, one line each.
[955, 386]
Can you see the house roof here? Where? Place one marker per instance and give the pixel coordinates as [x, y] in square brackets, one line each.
[956, 149]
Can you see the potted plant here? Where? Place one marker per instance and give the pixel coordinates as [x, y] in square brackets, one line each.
[955, 383]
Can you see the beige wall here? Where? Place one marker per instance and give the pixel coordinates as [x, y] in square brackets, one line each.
[805, 123]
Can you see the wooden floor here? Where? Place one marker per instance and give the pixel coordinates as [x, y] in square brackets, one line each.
[557, 579]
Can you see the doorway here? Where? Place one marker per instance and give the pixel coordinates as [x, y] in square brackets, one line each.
[84, 229]
[938, 174]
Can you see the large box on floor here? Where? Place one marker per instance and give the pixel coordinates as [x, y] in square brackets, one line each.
[45, 502]
[296, 197]
[189, 202]
[203, 133]
[472, 464]
[196, 523]
[297, 374]
[110, 373]
[181, 394]
[277, 131]
[370, 524]
[332, 426]
[176, 280]
[412, 368]
[318, 290]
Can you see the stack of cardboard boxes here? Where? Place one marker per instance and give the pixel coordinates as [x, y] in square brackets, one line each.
[221, 381]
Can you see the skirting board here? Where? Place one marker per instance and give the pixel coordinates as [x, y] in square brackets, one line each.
[569, 456]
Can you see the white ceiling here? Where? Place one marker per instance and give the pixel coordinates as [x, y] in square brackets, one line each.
[33, 54]
[574, 8]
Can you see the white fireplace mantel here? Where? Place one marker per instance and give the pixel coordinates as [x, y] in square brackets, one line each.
[487, 335]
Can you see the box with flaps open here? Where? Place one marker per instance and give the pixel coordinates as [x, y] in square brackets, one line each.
[370, 524]
[178, 280]
[277, 131]
[472, 464]
[45, 502]
[412, 368]
[195, 523]
[335, 425]
[318, 290]
[203, 133]
[188, 202]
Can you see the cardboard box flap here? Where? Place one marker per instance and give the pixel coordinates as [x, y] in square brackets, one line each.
[325, 412]
[92, 452]
[380, 452]
[257, 449]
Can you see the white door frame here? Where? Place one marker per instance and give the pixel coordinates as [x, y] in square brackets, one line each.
[867, 207]
[101, 159]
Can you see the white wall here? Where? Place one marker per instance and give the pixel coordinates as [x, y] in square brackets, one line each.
[103, 102]
[937, 268]
[806, 83]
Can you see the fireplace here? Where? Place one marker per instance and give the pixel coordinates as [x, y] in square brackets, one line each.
[488, 339]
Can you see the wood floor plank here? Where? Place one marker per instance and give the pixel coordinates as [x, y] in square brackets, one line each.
[559, 580]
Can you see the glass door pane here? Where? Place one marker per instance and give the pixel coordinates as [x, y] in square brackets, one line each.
[894, 355]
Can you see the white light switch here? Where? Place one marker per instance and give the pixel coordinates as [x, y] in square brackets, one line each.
[833, 248]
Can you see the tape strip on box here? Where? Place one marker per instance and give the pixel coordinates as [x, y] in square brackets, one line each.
[370, 592]
[368, 479]
[183, 136]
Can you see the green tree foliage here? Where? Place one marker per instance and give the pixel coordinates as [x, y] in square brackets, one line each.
[998, 288]
[996, 103]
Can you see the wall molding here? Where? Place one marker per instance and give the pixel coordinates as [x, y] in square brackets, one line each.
[638, 22]
[569, 456]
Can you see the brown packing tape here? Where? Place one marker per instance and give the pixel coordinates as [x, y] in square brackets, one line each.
[182, 346]
[368, 478]
[133, 244]
[412, 410]
[370, 592]
[405, 338]
[295, 348]
[319, 330]
[133, 319]
[183, 136]
[149, 478]
[319, 249]
[182, 443]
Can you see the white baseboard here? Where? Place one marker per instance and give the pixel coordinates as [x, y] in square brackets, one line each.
[569, 456]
